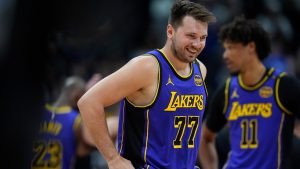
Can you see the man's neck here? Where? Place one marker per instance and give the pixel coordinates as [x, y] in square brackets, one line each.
[61, 101]
[253, 74]
[181, 67]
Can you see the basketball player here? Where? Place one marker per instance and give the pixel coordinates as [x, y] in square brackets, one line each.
[258, 103]
[61, 135]
[164, 98]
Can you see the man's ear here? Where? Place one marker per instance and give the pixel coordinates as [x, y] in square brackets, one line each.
[170, 31]
[252, 47]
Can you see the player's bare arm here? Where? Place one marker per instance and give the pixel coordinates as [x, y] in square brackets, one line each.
[136, 80]
[208, 153]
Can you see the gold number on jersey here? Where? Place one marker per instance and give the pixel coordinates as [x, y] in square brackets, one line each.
[48, 155]
[247, 126]
[180, 123]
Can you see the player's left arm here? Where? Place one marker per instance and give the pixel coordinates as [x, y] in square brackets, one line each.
[288, 94]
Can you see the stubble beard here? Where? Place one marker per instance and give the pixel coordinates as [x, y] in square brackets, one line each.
[233, 72]
[179, 55]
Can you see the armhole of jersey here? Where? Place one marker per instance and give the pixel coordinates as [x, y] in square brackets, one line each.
[205, 88]
[157, 87]
[226, 94]
[198, 64]
[77, 123]
[285, 110]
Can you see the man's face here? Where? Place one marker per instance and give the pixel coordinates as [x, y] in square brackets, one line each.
[236, 56]
[188, 40]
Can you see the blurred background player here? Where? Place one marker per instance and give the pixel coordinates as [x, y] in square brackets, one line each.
[296, 146]
[258, 103]
[63, 140]
[89, 157]
[61, 133]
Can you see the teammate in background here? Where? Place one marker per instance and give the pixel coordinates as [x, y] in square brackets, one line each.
[258, 103]
[295, 158]
[89, 157]
[164, 98]
[61, 135]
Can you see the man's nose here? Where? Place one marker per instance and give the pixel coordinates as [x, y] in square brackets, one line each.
[225, 54]
[197, 43]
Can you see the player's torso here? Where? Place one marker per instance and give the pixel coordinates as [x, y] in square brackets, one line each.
[170, 128]
[55, 144]
[256, 124]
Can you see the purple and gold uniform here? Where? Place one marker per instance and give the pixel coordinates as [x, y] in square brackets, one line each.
[55, 145]
[260, 120]
[166, 133]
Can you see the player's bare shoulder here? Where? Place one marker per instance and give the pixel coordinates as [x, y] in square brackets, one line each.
[147, 66]
[147, 61]
[147, 72]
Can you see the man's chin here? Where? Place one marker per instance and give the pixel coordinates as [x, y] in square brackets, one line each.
[189, 59]
[233, 72]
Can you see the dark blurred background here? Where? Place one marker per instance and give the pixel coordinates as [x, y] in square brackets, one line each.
[42, 42]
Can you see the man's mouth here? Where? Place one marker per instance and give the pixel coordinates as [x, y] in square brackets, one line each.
[192, 51]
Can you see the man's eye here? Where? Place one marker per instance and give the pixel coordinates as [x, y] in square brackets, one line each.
[203, 37]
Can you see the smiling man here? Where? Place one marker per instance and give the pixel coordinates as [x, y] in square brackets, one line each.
[151, 134]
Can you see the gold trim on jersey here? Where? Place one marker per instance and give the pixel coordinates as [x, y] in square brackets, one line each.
[277, 95]
[265, 78]
[122, 139]
[191, 66]
[279, 140]
[147, 135]
[58, 110]
[205, 89]
[226, 93]
[201, 76]
[156, 92]
[77, 123]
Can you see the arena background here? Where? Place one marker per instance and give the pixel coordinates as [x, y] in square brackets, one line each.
[42, 42]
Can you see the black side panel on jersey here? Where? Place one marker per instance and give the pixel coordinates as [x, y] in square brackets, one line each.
[287, 135]
[134, 134]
